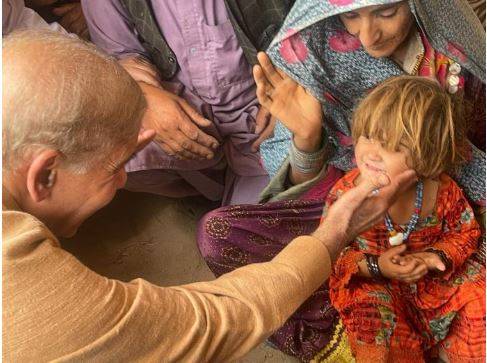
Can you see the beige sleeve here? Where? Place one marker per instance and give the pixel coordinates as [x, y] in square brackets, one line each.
[55, 307]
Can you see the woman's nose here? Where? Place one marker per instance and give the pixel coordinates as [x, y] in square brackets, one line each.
[369, 34]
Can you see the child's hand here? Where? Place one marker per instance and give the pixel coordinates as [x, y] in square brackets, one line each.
[432, 260]
[403, 268]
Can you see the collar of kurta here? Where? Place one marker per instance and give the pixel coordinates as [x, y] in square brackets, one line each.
[8, 201]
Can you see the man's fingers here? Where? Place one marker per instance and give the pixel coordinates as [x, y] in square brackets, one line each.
[356, 196]
[178, 151]
[193, 147]
[265, 134]
[194, 115]
[144, 138]
[166, 148]
[198, 136]
[268, 68]
[400, 183]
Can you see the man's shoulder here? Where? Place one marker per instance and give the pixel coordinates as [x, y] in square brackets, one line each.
[22, 233]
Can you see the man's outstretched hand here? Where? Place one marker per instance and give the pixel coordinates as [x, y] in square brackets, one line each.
[359, 209]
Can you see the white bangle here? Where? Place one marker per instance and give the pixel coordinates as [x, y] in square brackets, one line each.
[304, 162]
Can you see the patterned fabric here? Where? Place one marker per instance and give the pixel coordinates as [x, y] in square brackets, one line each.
[399, 321]
[314, 49]
[231, 237]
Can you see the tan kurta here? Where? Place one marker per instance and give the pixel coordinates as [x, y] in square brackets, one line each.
[55, 308]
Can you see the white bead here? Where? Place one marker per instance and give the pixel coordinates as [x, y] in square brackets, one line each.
[455, 68]
[453, 80]
[396, 240]
[452, 89]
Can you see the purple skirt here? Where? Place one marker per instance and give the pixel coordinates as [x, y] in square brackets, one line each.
[235, 236]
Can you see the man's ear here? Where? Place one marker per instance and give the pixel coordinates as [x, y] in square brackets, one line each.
[41, 174]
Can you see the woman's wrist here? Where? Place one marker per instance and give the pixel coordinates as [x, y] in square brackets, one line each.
[307, 162]
[310, 143]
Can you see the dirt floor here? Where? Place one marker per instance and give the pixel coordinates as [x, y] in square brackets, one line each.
[151, 237]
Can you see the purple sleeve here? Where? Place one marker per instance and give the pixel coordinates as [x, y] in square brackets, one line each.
[110, 28]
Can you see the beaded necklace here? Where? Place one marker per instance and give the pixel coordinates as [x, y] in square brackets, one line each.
[397, 238]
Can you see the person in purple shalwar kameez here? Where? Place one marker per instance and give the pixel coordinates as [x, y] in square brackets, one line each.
[206, 123]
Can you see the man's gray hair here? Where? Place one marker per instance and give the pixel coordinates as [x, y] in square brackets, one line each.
[62, 93]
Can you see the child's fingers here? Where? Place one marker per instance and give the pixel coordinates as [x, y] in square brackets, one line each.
[407, 267]
[400, 260]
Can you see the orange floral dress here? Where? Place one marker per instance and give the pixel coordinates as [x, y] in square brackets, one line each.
[391, 321]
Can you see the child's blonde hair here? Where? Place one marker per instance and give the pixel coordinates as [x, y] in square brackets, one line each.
[416, 113]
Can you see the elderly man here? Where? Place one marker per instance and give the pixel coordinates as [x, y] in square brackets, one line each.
[70, 122]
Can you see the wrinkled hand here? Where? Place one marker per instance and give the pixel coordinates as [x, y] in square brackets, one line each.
[264, 127]
[141, 70]
[288, 101]
[357, 210]
[177, 125]
[402, 268]
[72, 19]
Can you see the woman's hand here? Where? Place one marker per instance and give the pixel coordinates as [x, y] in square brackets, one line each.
[290, 103]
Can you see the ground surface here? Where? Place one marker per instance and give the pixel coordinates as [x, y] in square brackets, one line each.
[141, 235]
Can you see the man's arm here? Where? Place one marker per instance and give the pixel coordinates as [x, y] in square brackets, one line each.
[79, 315]
[55, 307]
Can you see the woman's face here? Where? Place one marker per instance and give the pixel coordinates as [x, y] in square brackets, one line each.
[380, 28]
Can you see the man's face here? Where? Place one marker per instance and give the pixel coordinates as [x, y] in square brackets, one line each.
[381, 29]
[373, 159]
[80, 195]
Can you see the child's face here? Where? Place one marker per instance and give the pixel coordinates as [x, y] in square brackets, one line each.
[372, 159]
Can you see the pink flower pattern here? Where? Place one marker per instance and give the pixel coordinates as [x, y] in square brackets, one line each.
[293, 49]
[343, 42]
[341, 2]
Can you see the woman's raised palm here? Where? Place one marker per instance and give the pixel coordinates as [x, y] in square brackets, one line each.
[286, 100]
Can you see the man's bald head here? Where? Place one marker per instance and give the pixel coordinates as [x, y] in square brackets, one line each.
[62, 93]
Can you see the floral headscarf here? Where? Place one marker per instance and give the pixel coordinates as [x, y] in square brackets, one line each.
[314, 48]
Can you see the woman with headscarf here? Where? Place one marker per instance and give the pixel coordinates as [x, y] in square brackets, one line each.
[330, 53]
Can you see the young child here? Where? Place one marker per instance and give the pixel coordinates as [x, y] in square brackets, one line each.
[399, 302]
